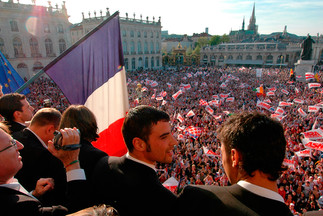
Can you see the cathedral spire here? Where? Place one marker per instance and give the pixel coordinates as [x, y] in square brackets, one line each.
[243, 24]
[252, 22]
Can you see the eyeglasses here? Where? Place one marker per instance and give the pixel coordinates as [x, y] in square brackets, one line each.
[13, 143]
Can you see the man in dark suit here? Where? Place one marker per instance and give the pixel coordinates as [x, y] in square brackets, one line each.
[253, 150]
[14, 198]
[38, 161]
[130, 183]
[16, 110]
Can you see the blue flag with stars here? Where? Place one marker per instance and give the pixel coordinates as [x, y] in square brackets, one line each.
[9, 78]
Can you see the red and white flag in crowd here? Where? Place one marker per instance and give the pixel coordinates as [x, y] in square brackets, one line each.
[313, 109]
[180, 118]
[299, 101]
[226, 112]
[283, 103]
[159, 98]
[289, 163]
[175, 96]
[230, 99]
[164, 102]
[203, 102]
[304, 153]
[313, 134]
[204, 84]
[279, 111]
[192, 131]
[171, 184]
[215, 96]
[186, 86]
[273, 89]
[263, 105]
[189, 75]
[144, 89]
[217, 117]
[190, 114]
[209, 109]
[153, 96]
[180, 128]
[169, 85]
[301, 112]
[271, 93]
[163, 93]
[180, 137]
[224, 95]
[298, 76]
[154, 84]
[309, 76]
[314, 85]
[277, 116]
[209, 153]
[285, 91]
[267, 101]
[313, 144]
[223, 85]
[136, 101]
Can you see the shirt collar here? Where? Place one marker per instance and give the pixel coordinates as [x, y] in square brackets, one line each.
[139, 161]
[40, 140]
[261, 191]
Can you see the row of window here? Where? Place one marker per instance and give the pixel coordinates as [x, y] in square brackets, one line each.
[280, 59]
[251, 47]
[46, 28]
[34, 47]
[142, 63]
[139, 33]
[139, 47]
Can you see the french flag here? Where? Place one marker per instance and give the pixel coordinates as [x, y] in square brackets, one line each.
[91, 72]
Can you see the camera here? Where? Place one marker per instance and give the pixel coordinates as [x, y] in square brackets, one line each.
[58, 142]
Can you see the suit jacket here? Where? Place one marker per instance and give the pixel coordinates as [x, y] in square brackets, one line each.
[229, 200]
[88, 157]
[38, 163]
[13, 202]
[15, 126]
[132, 188]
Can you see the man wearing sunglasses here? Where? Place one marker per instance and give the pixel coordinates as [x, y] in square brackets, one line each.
[14, 198]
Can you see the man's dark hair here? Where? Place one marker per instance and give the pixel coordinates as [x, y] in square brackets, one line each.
[139, 121]
[10, 103]
[46, 116]
[259, 139]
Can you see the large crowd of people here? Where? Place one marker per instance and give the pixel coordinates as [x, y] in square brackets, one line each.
[200, 99]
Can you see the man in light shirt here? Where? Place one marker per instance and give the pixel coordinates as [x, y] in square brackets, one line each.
[15, 199]
[253, 149]
[130, 183]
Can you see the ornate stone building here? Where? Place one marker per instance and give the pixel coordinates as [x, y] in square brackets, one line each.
[262, 54]
[141, 39]
[31, 36]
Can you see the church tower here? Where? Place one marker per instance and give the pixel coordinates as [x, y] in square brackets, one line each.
[252, 22]
[243, 24]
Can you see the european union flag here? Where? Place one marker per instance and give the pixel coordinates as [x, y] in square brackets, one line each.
[9, 78]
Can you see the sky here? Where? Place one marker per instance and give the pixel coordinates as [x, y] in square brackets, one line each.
[301, 17]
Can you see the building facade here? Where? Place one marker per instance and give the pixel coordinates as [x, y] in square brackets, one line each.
[262, 54]
[141, 39]
[31, 36]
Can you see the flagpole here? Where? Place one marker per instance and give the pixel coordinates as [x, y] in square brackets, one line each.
[65, 53]
[26, 84]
